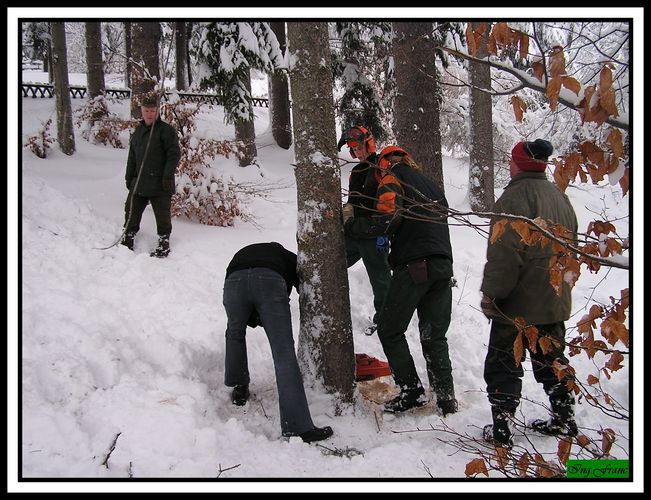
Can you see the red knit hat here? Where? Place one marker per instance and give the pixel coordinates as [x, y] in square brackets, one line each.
[532, 156]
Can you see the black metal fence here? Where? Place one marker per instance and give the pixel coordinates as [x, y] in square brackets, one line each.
[42, 90]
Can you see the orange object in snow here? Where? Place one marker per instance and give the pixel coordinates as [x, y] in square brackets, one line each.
[368, 368]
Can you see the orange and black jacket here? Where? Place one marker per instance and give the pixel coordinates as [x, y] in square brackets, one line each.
[362, 187]
[412, 209]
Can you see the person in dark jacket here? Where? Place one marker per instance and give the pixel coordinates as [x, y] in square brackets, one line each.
[516, 283]
[414, 214]
[259, 280]
[362, 192]
[154, 155]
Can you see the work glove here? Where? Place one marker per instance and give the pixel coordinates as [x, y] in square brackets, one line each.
[168, 185]
[382, 244]
[489, 308]
[348, 212]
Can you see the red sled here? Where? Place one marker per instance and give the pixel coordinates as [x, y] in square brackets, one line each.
[368, 367]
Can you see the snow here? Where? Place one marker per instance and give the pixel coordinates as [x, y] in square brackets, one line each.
[117, 348]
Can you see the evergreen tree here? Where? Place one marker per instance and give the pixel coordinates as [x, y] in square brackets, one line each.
[363, 65]
[228, 52]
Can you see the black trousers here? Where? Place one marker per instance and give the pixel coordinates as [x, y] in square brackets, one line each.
[431, 299]
[162, 206]
[503, 376]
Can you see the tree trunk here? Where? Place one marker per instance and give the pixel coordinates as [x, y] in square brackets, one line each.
[128, 69]
[279, 109]
[481, 171]
[325, 341]
[416, 107]
[65, 132]
[181, 56]
[95, 67]
[146, 74]
[245, 133]
[50, 64]
[187, 53]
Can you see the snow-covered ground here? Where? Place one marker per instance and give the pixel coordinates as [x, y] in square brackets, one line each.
[117, 348]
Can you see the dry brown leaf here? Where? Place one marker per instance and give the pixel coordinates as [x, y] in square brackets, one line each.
[556, 62]
[571, 84]
[564, 448]
[498, 229]
[519, 107]
[476, 466]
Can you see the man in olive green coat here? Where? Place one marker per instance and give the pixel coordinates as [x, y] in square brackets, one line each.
[154, 155]
[516, 283]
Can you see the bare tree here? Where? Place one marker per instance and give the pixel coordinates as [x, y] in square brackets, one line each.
[281, 126]
[417, 114]
[481, 190]
[65, 132]
[325, 341]
[181, 56]
[95, 66]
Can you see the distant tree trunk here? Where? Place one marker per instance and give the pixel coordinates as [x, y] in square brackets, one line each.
[281, 127]
[187, 53]
[128, 69]
[245, 132]
[181, 56]
[146, 74]
[50, 65]
[481, 172]
[95, 66]
[325, 340]
[65, 133]
[416, 107]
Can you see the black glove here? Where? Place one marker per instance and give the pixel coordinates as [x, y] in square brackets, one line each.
[382, 244]
[489, 308]
[129, 183]
[168, 185]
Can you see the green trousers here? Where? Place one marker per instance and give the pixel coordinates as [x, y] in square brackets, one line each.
[432, 300]
[377, 268]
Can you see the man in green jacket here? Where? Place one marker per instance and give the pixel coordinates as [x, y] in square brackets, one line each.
[516, 283]
[154, 155]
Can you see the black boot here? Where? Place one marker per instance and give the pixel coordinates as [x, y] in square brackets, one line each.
[127, 239]
[240, 395]
[406, 400]
[499, 432]
[163, 248]
[562, 421]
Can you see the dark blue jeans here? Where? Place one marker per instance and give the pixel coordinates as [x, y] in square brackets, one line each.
[265, 291]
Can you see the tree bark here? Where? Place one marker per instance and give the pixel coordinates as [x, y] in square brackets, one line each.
[146, 74]
[481, 191]
[417, 108]
[187, 52]
[325, 340]
[95, 66]
[245, 133]
[65, 132]
[181, 56]
[128, 69]
[279, 109]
